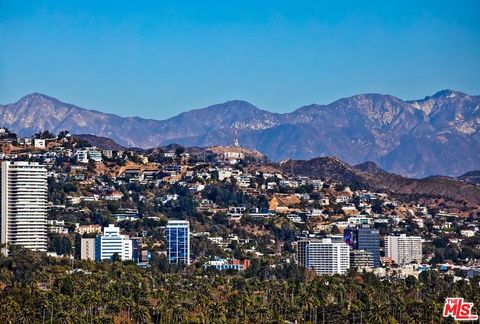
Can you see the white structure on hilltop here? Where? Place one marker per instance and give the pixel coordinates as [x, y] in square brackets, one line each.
[404, 249]
[324, 256]
[23, 205]
[39, 143]
[111, 242]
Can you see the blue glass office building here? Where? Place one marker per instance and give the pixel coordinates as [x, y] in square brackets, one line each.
[366, 239]
[178, 241]
[136, 249]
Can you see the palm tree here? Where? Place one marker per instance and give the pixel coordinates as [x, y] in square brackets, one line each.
[9, 309]
[377, 313]
[141, 314]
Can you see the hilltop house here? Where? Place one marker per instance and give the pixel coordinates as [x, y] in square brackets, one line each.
[283, 203]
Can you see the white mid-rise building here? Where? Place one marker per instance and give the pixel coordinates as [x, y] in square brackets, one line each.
[111, 243]
[95, 155]
[82, 156]
[24, 205]
[85, 155]
[327, 257]
[404, 249]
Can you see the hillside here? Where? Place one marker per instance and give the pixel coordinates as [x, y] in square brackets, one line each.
[370, 176]
[101, 142]
[472, 177]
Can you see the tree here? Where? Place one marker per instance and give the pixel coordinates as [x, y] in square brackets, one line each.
[60, 244]
[179, 150]
[44, 135]
[37, 288]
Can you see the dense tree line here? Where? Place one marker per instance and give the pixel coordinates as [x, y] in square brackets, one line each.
[34, 288]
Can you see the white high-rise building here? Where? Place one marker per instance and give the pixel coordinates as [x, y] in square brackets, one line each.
[404, 249]
[112, 242]
[327, 257]
[24, 205]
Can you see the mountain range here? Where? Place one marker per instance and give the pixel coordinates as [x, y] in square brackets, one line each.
[439, 134]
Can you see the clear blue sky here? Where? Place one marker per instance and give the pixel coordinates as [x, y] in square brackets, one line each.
[157, 58]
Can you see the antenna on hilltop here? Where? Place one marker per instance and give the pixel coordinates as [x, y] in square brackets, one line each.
[236, 142]
[291, 168]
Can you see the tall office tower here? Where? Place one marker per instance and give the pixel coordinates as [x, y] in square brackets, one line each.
[111, 242]
[178, 241]
[327, 257]
[136, 252]
[24, 205]
[404, 249]
[302, 252]
[366, 239]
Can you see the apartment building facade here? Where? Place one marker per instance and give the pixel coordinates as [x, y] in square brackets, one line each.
[23, 205]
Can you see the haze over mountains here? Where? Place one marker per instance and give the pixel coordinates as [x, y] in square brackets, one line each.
[439, 134]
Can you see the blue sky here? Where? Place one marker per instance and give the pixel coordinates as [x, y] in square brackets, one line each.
[158, 58]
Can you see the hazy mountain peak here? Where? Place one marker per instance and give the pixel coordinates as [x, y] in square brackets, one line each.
[448, 93]
[432, 103]
[369, 167]
[36, 97]
[239, 102]
[233, 105]
[471, 176]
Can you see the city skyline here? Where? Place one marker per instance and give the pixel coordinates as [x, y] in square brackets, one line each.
[239, 161]
[176, 235]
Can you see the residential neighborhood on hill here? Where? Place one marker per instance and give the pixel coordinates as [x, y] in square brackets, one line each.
[227, 210]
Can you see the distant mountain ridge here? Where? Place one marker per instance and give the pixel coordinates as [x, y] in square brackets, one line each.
[471, 177]
[439, 134]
